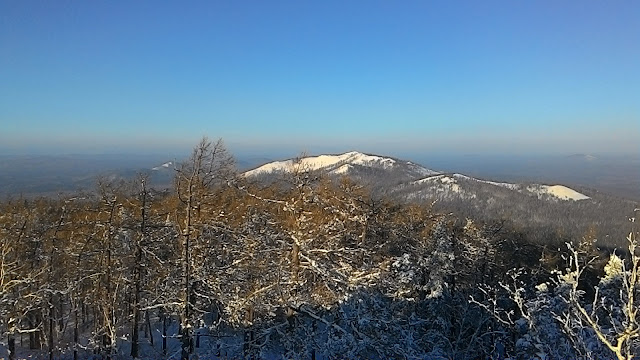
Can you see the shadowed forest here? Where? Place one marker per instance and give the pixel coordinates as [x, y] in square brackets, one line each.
[304, 267]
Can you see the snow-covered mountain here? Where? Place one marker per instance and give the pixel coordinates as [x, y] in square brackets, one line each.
[409, 181]
[447, 186]
[351, 163]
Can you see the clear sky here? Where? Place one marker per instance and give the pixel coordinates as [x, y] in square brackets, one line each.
[377, 76]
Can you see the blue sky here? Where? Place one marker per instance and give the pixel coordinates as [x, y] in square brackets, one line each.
[377, 76]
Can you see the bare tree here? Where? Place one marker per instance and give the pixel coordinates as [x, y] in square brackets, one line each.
[620, 332]
[138, 263]
[209, 166]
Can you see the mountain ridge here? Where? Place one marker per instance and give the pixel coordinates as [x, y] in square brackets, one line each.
[412, 174]
[337, 164]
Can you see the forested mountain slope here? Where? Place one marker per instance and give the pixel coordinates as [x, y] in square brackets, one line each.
[547, 213]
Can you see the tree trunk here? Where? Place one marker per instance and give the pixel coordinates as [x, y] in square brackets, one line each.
[135, 333]
[51, 314]
[106, 340]
[34, 337]
[314, 327]
[75, 334]
[60, 312]
[136, 305]
[186, 342]
[83, 307]
[12, 347]
[137, 271]
[295, 261]
[184, 323]
[164, 333]
[149, 330]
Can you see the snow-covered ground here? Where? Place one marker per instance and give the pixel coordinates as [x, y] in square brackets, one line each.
[559, 191]
[342, 169]
[447, 182]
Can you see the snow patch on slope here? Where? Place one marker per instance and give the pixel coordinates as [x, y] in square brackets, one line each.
[448, 182]
[427, 179]
[165, 166]
[342, 169]
[559, 191]
[312, 163]
[501, 184]
[424, 171]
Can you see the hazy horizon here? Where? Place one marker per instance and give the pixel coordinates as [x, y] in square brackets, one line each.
[286, 152]
[285, 77]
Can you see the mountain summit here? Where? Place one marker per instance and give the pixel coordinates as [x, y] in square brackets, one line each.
[350, 163]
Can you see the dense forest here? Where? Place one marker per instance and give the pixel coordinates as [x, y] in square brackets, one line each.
[306, 267]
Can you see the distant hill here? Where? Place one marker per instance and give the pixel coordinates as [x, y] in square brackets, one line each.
[371, 169]
[442, 186]
[544, 211]
[608, 173]
[376, 169]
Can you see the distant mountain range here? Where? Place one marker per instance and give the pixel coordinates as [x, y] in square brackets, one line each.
[405, 176]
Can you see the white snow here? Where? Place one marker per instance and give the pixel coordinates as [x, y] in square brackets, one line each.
[342, 169]
[165, 165]
[464, 177]
[451, 183]
[448, 182]
[501, 184]
[324, 161]
[559, 191]
[427, 179]
[337, 164]
[363, 159]
[424, 171]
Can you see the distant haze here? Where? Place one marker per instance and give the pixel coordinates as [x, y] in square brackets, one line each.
[50, 174]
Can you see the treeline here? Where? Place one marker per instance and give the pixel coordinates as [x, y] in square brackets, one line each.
[306, 267]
